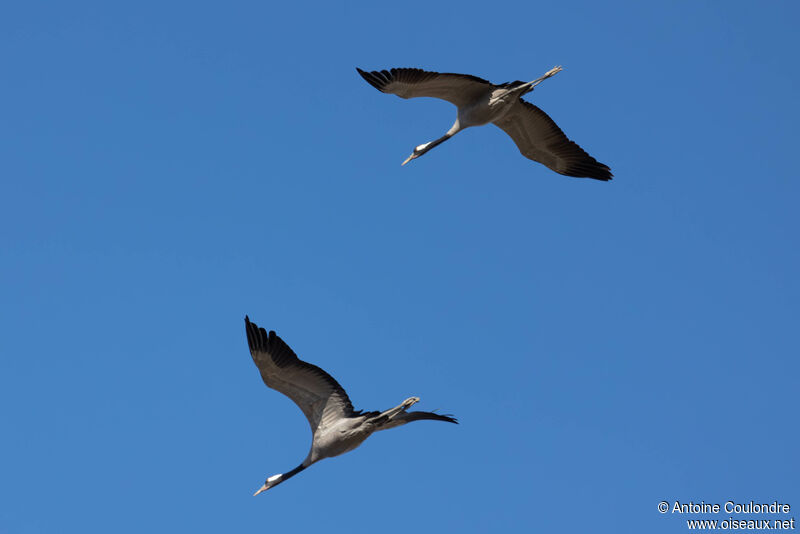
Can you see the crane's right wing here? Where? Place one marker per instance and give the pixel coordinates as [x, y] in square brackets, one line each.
[317, 393]
[539, 138]
[458, 89]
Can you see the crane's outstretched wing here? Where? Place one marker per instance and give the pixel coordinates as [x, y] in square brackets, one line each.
[539, 138]
[458, 89]
[316, 392]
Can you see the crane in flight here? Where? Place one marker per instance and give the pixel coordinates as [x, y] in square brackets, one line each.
[335, 426]
[481, 102]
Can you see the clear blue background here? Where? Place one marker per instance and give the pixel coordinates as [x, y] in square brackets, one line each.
[168, 168]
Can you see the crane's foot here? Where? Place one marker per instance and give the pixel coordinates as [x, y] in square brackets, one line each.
[409, 402]
[537, 81]
[554, 70]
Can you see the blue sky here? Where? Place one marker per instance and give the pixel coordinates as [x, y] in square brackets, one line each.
[168, 168]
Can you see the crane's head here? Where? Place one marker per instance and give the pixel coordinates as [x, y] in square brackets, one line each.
[418, 151]
[274, 480]
[271, 481]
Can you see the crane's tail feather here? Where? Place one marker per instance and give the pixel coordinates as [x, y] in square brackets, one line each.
[432, 416]
[382, 423]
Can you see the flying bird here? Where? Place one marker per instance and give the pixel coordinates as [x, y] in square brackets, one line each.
[335, 426]
[481, 102]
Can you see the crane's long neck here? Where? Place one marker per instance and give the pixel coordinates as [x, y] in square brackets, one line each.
[422, 149]
[437, 142]
[274, 480]
[450, 133]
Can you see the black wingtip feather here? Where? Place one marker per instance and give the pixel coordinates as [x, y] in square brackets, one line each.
[374, 79]
[595, 173]
[257, 338]
[601, 173]
[254, 340]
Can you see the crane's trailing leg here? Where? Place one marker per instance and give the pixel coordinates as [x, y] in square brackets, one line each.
[552, 72]
[388, 415]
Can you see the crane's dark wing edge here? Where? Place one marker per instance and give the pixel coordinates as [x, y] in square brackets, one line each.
[458, 89]
[295, 378]
[539, 138]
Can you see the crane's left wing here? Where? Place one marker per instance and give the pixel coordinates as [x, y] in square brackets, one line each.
[458, 89]
[315, 392]
[539, 138]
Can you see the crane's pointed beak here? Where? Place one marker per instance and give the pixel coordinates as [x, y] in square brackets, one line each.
[262, 488]
[409, 158]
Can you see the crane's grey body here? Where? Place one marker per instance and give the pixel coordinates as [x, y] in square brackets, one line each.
[480, 102]
[335, 426]
[347, 433]
[344, 436]
[489, 108]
